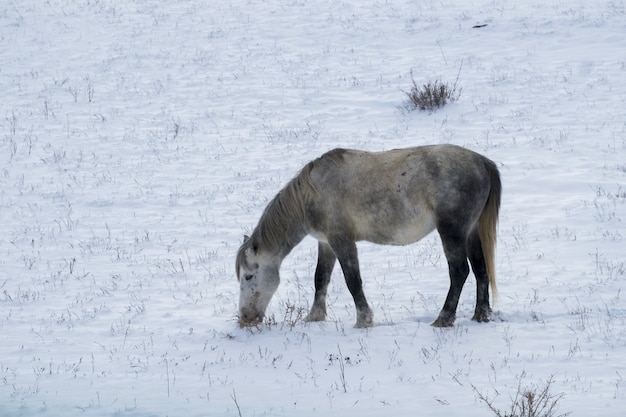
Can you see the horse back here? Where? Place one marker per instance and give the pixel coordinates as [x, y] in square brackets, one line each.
[396, 196]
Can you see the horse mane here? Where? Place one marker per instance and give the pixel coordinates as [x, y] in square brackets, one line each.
[284, 217]
[287, 210]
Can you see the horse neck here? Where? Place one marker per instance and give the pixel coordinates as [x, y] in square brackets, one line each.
[291, 242]
[282, 246]
[279, 231]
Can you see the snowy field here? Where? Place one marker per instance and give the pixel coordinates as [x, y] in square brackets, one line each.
[140, 140]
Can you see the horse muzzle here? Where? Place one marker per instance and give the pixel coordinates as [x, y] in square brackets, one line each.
[249, 317]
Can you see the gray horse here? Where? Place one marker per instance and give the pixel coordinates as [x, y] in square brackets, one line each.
[391, 198]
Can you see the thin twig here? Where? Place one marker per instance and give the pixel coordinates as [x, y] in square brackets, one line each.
[167, 376]
[458, 74]
[442, 54]
[234, 397]
[342, 371]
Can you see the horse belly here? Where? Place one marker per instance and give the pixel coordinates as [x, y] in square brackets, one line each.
[394, 230]
[414, 230]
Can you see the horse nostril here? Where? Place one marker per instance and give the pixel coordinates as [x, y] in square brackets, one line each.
[248, 317]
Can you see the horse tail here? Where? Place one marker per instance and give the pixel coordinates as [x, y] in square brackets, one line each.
[488, 223]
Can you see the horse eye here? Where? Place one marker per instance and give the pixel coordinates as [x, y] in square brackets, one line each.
[249, 277]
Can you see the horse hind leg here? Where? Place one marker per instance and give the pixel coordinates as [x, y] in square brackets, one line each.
[482, 314]
[455, 250]
[325, 263]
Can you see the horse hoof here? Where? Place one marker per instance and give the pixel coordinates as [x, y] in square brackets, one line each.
[443, 322]
[482, 318]
[316, 314]
[364, 320]
[314, 317]
[363, 325]
[482, 315]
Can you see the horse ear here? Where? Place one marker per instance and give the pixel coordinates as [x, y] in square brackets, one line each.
[254, 245]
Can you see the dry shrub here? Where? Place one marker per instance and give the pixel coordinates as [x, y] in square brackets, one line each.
[530, 401]
[432, 94]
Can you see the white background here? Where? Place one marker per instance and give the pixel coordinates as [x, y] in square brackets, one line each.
[140, 140]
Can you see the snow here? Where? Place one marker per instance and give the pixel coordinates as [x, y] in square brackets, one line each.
[140, 140]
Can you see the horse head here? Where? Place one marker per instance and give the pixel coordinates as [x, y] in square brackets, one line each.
[257, 272]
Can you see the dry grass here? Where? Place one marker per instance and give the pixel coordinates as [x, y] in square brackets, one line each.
[432, 94]
[533, 401]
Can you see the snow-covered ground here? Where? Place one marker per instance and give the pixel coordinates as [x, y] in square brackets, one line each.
[140, 140]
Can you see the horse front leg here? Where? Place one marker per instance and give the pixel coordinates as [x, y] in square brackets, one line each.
[325, 263]
[348, 259]
[456, 255]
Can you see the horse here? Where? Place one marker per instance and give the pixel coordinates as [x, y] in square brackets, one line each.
[394, 197]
